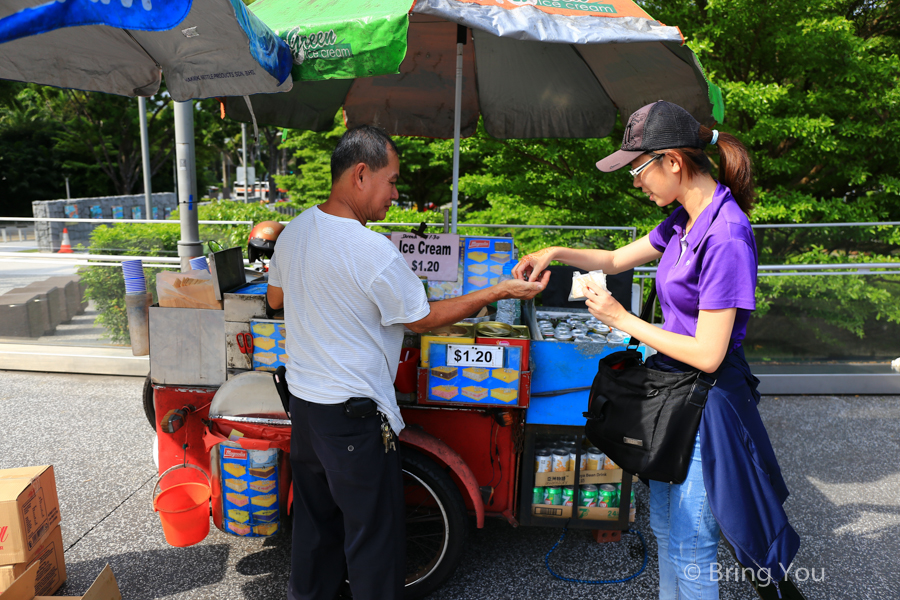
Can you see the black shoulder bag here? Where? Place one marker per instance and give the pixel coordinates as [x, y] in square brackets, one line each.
[643, 419]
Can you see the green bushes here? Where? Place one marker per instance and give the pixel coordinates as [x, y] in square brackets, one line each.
[105, 285]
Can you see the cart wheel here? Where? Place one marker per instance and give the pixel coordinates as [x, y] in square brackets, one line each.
[436, 524]
[149, 408]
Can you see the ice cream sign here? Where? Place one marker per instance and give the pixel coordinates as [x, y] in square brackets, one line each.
[434, 257]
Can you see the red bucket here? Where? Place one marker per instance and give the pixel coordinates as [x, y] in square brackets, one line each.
[183, 507]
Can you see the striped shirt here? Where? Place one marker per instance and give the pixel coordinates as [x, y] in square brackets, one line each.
[347, 292]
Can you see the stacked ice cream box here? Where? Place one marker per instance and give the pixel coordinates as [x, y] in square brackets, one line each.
[479, 385]
[250, 486]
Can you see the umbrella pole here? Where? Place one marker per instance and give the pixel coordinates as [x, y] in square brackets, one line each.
[145, 155]
[189, 245]
[244, 159]
[457, 117]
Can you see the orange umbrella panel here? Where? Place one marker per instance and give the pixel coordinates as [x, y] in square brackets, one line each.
[604, 8]
[419, 99]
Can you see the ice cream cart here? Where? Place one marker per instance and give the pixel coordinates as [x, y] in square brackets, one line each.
[493, 413]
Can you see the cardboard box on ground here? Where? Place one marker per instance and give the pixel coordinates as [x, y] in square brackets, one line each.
[29, 511]
[29, 528]
[32, 561]
[103, 588]
[52, 571]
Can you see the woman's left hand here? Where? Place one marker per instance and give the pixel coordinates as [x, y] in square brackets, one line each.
[604, 307]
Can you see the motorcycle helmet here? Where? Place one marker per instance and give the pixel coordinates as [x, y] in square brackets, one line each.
[262, 240]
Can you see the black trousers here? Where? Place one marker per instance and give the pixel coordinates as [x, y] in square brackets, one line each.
[349, 513]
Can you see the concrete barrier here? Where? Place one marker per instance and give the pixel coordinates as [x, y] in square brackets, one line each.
[37, 308]
[38, 312]
[20, 316]
[57, 297]
[50, 297]
[72, 292]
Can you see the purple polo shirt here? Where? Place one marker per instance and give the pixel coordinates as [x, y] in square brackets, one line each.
[713, 267]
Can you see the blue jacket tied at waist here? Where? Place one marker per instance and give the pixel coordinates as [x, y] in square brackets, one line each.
[743, 480]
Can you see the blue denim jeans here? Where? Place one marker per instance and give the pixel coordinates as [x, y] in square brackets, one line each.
[687, 534]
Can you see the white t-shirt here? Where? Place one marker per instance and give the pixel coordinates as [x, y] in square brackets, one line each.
[347, 292]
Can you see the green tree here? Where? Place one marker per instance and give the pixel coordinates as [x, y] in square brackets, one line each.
[106, 128]
[425, 167]
[33, 166]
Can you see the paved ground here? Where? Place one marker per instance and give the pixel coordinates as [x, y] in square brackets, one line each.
[839, 455]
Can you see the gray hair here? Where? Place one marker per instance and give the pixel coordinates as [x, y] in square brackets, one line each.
[364, 144]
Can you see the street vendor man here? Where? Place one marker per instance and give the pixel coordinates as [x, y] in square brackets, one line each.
[347, 293]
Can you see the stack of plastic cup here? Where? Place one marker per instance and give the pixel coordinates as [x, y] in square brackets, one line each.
[133, 270]
[200, 264]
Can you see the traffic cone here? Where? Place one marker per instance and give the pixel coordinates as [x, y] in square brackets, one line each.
[66, 246]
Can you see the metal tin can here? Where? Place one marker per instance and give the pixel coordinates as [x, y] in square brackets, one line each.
[615, 337]
[594, 459]
[619, 496]
[588, 496]
[607, 496]
[609, 464]
[568, 496]
[572, 459]
[553, 496]
[538, 495]
[542, 461]
[493, 329]
[560, 461]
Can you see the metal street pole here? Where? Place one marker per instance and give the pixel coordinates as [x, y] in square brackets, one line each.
[189, 245]
[457, 117]
[68, 193]
[244, 156]
[145, 155]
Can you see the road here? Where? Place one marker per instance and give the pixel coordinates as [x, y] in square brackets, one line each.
[16, 273]
[839, 456]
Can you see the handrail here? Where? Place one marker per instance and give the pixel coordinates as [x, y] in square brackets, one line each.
[807, 225]
[812, 269]
[151, 221]
[84, 256]
[483, 225]
[855, 268]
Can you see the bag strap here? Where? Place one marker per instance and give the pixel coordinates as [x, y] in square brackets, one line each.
[645, 314]
[701, 386]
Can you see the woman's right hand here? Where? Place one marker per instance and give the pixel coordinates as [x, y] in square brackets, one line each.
[532, 265]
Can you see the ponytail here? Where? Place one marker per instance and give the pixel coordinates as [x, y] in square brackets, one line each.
[735, 170]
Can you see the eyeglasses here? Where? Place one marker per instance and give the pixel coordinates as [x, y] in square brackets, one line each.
[640, 169]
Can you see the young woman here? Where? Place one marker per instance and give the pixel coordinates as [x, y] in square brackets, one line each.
[706, 282]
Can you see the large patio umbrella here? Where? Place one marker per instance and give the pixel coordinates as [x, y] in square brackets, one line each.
[205, 47]
[530, 68]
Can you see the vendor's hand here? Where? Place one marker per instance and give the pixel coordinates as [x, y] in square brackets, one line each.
[603, 306]
[532, 265]
[522, 290]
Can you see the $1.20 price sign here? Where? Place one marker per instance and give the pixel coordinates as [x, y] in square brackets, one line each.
[468, 355]
[435, 257]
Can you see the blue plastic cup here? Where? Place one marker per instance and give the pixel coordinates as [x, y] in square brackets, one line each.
[200, 263]
[135, 285]
[132, 269]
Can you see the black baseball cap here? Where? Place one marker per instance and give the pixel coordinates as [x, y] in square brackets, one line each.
[657, 126]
